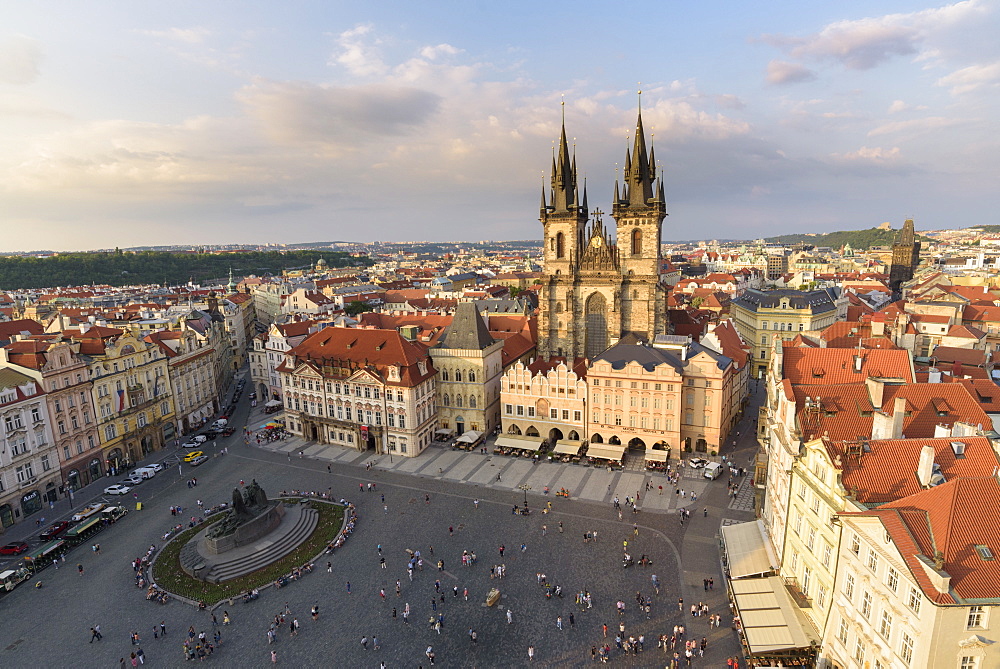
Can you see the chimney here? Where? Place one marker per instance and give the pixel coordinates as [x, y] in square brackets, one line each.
[933, 375]
[84, 327]
[858, 362]
[898, 412]
[878, 328]
[925, 466]
[876, 388]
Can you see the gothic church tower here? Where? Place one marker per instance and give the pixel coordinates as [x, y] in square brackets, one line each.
[600, 285]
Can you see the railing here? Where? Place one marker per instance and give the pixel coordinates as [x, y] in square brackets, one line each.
[801, 599]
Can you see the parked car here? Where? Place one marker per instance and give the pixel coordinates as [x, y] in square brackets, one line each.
[14, 548]
[156, 466]
[54, 530]
[117, 489]
[193, 455]
[201, 459]
[713, 470]
[697, 463]
[191, 443]
[228, 431]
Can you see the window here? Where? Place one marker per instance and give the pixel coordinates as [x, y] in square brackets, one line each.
[45, 463]
[565, 414]
[577, 416]
[531, 411]
[969, 662]
[976, 618]
[859, 651]
[906, 648]
[554, 413]
[855, 545]
[827, 553]
[391, 418]
[872, 560]
[402, 422]
[472, 377]
[913, 600]
[811, 539]
[520, 410]
[815, 505]
[795, 561]
[892, 580]
[866, 604]
[885, 625]
[842, 632]
[802, 490]
[508, 409]
[820, 596]
[797, 526]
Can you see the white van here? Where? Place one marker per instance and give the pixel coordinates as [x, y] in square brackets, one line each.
[713, 470]
[143, 473]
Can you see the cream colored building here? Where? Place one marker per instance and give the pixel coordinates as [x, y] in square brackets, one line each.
[545, 400]
[901, 603]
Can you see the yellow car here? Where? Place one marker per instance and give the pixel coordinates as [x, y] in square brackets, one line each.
[188, 457]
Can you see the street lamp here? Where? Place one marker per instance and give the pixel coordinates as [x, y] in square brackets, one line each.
[525, 487]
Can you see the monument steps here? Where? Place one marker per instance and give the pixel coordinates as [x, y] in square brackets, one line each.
[299, 532]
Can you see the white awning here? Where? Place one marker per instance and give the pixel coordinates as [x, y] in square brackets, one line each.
[653, 455]
[515, 441]
[771, 620]
[567, 446]
[272, 403]
[606, 451]
[470, 437]
[748, 551]
[444, 432]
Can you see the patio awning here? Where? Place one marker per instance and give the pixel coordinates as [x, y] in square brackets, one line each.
[567, 446]
[444, 432]
[470, 437]
[653, 455]
[606, 451]
[748, 551]
[272, 403]
[515, 441]
[771, 620]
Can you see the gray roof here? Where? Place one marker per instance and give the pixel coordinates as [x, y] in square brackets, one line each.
[818, 301]
[468, 330]
[650, 358]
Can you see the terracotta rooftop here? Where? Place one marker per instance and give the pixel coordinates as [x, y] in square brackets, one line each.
[24, 326]
[838, 365]
[967, 356]
[955, 519]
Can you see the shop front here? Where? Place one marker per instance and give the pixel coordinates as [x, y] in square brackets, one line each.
[31, 502]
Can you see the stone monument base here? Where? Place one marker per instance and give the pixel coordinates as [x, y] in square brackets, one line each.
[248, 532]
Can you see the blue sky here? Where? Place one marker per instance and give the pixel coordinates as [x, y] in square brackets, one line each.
[191, 122]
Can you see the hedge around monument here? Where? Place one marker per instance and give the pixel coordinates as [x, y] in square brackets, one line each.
[167, 572]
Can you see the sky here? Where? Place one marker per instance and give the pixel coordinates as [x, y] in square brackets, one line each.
[140, 123]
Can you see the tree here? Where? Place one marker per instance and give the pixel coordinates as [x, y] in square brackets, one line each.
[357, 307]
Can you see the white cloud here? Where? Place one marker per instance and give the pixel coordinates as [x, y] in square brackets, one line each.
[432, 52]
[193, 35]
[783, 72]
[914, 126]
[874, 154]
[359, 53]
[971, 78]
[862, 44]
[20, 58]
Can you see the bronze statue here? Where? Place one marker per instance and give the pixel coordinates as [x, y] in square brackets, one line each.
[239, 506]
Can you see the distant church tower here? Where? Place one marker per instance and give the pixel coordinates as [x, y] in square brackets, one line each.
[600, 284]
[905, 257]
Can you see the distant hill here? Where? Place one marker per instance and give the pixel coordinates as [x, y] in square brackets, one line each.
[858, 239]
[119, 268]
[989, 229]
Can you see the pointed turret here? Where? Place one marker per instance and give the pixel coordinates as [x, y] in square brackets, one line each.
[907, 235]
[638, 174]
[563, 175]
[543, 208]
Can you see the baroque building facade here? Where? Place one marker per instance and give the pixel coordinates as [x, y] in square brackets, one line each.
[601, 284]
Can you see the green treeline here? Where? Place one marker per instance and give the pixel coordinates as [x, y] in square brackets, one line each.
[122, 268]
[858, 239]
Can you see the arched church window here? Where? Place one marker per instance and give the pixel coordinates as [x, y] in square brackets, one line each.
[458, 375]
[446, 399]
[472, 377]
[636, 242]
[472, 401]
[458, 400]
[560, 239]
[444, 376]
[558, 307]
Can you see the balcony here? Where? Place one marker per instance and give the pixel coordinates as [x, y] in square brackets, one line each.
[800, 599]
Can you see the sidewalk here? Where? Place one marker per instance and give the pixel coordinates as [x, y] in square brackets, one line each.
[440, 461]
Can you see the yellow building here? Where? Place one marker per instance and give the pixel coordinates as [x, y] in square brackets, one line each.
[760, 314]
[131, 393]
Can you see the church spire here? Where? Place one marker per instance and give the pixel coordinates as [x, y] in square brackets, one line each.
[638, 174]
[563, 172]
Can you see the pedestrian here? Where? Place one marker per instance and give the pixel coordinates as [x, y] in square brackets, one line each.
[501, 550]
[465, 593]
[524, 547]
[274, 657]
[706, 512]
[163, 628]
[94, 634]
[635, 529]
[451, 531]
[531, 653]
[385, 509]
[364, 642]
[560, 527]
[140, 655]
[329, 567]
[604, 627]
[510, 617]
[348, 587]
[79, 569]
[559, 622]
[381, 562]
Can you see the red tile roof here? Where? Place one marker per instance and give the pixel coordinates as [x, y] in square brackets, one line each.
[886, 472]
[952, 518]
[357, 348]
[24, 326]
[838, 365]
[966, 356]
